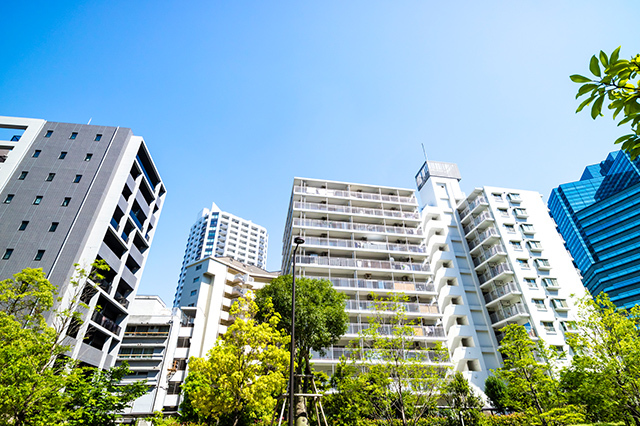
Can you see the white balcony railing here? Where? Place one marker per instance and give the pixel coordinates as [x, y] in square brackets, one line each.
[409, 307]
[362, 263]
[352, 194]
[380, 284]
[367, 245]
[349, 226]
[356, 210]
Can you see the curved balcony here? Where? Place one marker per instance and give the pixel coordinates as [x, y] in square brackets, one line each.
[380, 284]
[332, 208]
[503, 292]
[324, 192]
[407, 307]
[349, 226]
[509, 313]
[365, 245]
[344, 262]
[498, 272]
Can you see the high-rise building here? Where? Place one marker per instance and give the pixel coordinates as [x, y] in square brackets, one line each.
[512, 261]
[599, 218]
[71, 194]
[368, 241]
[217, 233]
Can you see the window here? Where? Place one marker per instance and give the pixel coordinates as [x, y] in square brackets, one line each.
[23, 225]
[543, 263]
[515, 245]
[559, 351]
[37, 200]
[550, 283]
[534, 245]
[9, 198]
[184, 342]
[196, 279]
[49, 133]
[520, 212]
[73, 135]
[539, 304]
[98, 137]
[173, 388]
[527, 228]
[62, 155]
[194, 292]
[503, 212]
[77, 179]
[36, 153]
[66, 201]
[514, 198]
[53, 227]
[198, 267]
[523, 263]
[548, 326]
[50, 177]
[560, 304]
[88, 157]
[23, 175]
[39, 255]
[531, 282]
[7, 254]
[510, 228]
[569, 326]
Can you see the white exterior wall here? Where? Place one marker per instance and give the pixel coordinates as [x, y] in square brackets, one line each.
[18, 149]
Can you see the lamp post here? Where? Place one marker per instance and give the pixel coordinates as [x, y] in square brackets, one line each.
[297, 241]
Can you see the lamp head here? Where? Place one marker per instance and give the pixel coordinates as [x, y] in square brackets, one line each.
[298, 240]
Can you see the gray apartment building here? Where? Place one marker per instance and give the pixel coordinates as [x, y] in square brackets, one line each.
[71, 194]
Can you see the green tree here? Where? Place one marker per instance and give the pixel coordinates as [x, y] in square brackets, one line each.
[496, 391]
[244, 372]
[615, 81]
[464, 405]
[607, 360]
[388, 376]
[320, 320]
[529, 371]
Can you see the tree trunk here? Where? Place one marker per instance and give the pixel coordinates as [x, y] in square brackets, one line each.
[300, 401]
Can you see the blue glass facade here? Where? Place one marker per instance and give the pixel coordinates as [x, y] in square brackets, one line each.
[599, 218]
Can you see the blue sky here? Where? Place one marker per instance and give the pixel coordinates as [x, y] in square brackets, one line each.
[236, 98]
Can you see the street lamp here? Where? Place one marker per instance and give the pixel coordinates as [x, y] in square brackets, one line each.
[297, 241]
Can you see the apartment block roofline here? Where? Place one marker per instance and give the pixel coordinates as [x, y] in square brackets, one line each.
[239, 266]
[353, 183]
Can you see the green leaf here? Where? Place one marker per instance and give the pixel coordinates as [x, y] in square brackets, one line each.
[586, 88]
[614, 55]
[622, 139]
[576, 78]
[603, 59]
[594, 67]
[597, 107]
[585, 103]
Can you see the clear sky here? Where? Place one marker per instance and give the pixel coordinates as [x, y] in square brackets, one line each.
[235, 98]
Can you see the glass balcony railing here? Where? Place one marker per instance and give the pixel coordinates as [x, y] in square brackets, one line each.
[498, 292]
[352, 194]
[362, 263]
[508, 312]
[336, 242]
[356, 210]
[410, 307]
[380, 284]
[349, 226]
[495, 271]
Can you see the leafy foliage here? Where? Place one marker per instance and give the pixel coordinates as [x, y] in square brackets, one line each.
[497, 392]
[464, 405]
[244, 372]
[616, 82]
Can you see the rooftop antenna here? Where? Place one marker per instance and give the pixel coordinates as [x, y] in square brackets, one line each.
[92, 119]
[424, 152]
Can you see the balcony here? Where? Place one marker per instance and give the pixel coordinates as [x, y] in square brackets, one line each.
[363, 263]
[324, 192]
[336, 242]
[484, 237]
[121, 300]
[105, 322]
[501, 293]
[348, 226]
[380, 284]
[333, 355]
[489, 255]
[356, 210]
[477, 221]
[497, 272]
[504, 314]
[428, 331]
[530, 331]
[473, 206]
[151, 334]
[407, 307]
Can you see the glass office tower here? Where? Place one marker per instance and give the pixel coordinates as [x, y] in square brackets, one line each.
[599, 218]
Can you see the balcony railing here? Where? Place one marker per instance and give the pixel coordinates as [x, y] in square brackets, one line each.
[494, 271]
[503, 290]
[146, 333]
[472, 205]
[348, 226]
[335, 353]
[105, 322]
[121, 300]
[409, 307]
[477, 221]
[531, 332]
[489, 232]
[352, 194]
[390, 330]
[488, 254]
[139, 356]
[336, 242]
[507, 312]
[380, 284]
[356, 210]
[362, 263]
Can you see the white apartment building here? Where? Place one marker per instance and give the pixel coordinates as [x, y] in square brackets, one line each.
[367, 240]
[512, 260]
[222, 234]
[159, 341]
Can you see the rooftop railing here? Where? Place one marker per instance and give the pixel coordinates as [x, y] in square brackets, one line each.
[352, 194]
